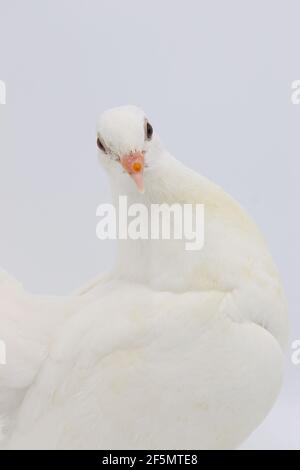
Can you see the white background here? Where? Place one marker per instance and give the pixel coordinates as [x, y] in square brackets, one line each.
[215, 79]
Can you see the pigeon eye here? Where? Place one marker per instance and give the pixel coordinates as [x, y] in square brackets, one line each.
[149, 131]
[100, 145]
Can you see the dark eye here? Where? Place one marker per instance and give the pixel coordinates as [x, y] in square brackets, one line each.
[149, 131]
[100, 145]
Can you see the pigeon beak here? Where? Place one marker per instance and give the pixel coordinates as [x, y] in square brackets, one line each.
[134, 164]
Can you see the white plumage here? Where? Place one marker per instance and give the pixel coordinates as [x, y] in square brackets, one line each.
[173, 349]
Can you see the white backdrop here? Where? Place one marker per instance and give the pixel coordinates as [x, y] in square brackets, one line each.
[215, 79]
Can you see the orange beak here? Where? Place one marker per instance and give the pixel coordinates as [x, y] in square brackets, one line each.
[134, 164]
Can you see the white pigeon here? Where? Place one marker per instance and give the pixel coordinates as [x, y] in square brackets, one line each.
[174, 349]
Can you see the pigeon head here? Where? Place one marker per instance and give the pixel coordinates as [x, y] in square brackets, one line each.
[126, 142]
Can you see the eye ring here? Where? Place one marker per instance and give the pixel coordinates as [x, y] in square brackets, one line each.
[100, 145]
[148, 130]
